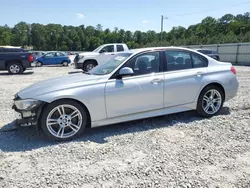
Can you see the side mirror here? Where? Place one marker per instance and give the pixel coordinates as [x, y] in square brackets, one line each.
[125, 71]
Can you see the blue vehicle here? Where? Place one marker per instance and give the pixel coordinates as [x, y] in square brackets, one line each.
[53, 58]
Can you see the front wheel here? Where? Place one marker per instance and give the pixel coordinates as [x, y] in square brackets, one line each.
[15, 68]
[210, 101]
[89, 65]
[63, 120]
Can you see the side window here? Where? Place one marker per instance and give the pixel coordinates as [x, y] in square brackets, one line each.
[109, 48]
[50, 55]
[145, 64]
[199, 61]
[178, 60]
[119, 48]
[59, 54]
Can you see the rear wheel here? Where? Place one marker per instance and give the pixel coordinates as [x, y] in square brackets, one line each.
[63, 120]
[15, 68]
[39, 64]
[89, 65]
[210, 101]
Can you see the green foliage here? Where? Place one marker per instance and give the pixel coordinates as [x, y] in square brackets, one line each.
[227, 29]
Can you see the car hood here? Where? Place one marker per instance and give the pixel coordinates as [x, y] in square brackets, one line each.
[56, 84]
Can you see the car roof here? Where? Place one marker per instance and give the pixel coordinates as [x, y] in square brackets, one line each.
[158, 48]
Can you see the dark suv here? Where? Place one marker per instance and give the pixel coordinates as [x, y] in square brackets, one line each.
[15, 60]
[210, 53]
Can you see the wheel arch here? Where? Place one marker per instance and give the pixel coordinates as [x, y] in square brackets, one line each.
[13, 61]
[215, 84]
[60, 99]
[87, 60]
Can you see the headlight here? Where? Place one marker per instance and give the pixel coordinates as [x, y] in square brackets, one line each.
[27, 104]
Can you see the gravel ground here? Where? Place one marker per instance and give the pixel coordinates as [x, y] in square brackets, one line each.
[181, 150]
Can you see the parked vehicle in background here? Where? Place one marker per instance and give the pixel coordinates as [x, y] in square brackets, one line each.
[210, 53]
[15, 60]
[38, 54]
[88, 60]
[53, 58]
[132, 85]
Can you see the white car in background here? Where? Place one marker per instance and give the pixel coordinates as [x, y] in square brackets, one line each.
[88, 60]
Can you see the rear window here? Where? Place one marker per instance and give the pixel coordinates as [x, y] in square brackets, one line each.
[119, 48]
[207, 51]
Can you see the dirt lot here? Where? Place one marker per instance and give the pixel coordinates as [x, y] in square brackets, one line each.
[181, 150]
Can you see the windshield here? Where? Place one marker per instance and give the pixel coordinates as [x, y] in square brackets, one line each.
[97, 49]
[111, 64]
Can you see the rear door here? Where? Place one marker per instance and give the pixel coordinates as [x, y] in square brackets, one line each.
[59, 58]
[184, 76]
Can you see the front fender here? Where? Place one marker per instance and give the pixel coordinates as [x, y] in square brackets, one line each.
[92, 97]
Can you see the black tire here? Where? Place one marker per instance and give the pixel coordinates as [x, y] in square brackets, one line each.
[49, 108]
[201, 103]
[65, 63]
[15, 68]
[88, 64]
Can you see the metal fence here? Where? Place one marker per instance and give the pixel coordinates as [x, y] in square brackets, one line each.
[236, 53]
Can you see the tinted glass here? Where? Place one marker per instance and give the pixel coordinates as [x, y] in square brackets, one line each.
[109, 48]
[178, 60]
[50, 55]
[199, 61]
[119, 48]
[145, 64]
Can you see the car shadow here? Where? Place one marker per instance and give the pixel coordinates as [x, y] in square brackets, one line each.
[27, 138]
[28, 72]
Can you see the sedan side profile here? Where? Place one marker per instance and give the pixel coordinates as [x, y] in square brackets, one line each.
[53, 58]
[132, 85]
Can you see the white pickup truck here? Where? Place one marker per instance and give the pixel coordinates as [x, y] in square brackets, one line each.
[88, 60]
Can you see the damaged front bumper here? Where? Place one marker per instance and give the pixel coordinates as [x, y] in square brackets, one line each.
[27, 116]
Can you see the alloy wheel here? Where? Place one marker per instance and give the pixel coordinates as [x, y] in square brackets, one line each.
[89, 67]
[14, 69]
[64, 121]
[211, 101]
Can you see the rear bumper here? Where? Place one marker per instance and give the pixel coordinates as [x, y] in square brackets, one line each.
[232, 89]
[26, 64]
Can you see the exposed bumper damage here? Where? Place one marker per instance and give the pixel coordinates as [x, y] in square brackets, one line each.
[29, 117]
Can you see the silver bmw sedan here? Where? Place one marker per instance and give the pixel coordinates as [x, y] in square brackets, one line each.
[131, 85]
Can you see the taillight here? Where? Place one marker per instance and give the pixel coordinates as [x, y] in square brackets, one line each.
[30, 58]
[233, 70]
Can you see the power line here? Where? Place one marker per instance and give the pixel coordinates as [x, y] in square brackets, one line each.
[210, 10]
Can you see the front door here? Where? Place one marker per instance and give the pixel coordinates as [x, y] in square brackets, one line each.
[49, 58]
[138, 93]
[184, 75]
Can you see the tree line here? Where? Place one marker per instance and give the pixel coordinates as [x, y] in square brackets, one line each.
[227, 29]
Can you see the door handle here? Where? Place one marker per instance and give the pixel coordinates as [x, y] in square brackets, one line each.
[200, 74]
[156, 81]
